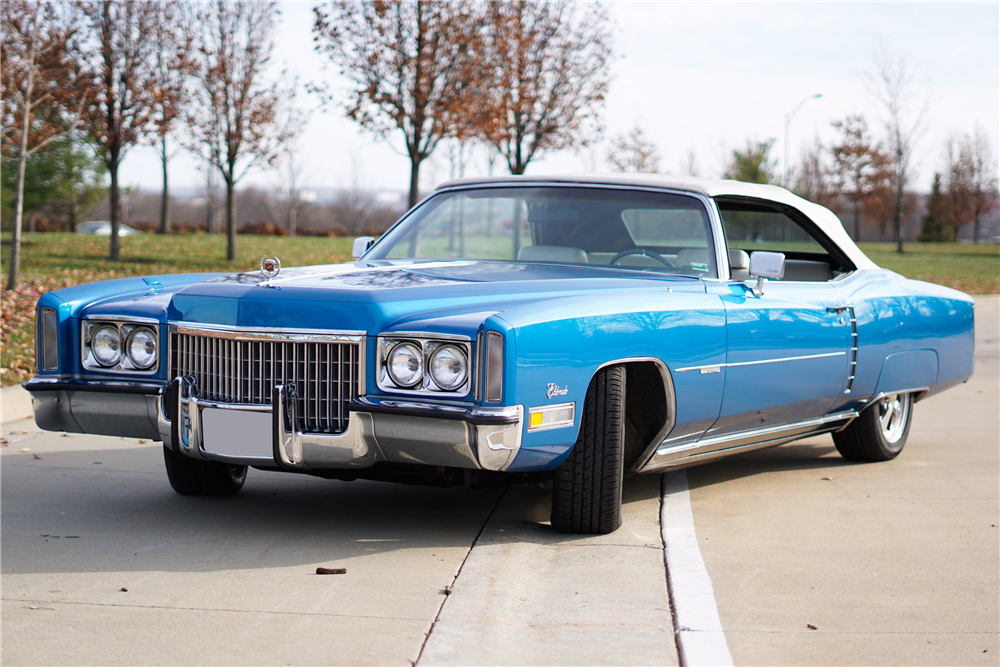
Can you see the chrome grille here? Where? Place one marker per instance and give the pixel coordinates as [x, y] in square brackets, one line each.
[232, 369]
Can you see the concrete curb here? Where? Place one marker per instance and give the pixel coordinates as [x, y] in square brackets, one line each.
[15, 403]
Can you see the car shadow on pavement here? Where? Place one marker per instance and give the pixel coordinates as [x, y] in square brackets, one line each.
[816, 453]
[64, 513]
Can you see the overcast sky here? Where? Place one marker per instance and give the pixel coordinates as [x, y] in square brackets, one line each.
[700, 79]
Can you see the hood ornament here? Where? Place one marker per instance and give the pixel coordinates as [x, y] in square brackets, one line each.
[270, 267]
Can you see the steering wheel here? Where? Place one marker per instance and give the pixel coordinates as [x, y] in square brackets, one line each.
[642, 251]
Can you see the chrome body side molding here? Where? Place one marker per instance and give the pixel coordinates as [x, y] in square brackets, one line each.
[713, 368]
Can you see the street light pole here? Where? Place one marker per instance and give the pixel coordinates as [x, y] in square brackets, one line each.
[788, 121]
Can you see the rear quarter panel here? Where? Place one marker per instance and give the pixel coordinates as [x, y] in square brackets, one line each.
[911, 334]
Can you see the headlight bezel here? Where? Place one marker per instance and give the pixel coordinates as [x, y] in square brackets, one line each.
[125, 328]
[428, 344]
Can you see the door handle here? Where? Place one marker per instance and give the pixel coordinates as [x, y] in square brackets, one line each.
[836, 309]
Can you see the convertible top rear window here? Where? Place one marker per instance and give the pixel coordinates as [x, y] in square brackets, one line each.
[622, 228]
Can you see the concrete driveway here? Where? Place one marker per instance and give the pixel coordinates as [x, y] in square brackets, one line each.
[103, 564]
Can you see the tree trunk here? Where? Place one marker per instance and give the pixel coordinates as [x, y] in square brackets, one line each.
[857, 223]
[293, 215]
[165, 196]
[22, 158]
[975, 229]
[414, 181]
[15, 243]
[230, 218]
[115, 196]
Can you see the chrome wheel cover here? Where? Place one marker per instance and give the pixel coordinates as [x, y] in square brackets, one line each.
[893, 415]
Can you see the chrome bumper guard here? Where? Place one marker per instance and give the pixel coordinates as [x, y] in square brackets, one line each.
[478, 438]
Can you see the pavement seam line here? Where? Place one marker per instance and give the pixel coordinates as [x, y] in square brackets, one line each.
[212, 609]
[479, 535]
[698, 631]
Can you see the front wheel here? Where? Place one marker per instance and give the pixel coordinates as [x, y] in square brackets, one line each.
[587, 487]
[193, 477]
[879, 432]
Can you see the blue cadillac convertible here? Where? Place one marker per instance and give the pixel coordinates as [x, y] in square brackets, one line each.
[569, 328]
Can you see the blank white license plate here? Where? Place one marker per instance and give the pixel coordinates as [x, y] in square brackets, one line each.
[240, 433]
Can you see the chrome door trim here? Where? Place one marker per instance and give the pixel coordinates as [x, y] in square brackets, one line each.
[711, 368]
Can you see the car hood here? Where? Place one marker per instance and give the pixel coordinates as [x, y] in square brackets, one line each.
[386, 295]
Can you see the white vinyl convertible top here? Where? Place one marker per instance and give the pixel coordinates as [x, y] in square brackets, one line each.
[825, 219]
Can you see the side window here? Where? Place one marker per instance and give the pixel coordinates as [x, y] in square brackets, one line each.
[751, 227]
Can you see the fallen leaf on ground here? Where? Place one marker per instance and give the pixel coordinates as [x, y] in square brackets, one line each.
[123, 590]
[331, 570]
[47, 608]
[26, 449]
[826, 478]
[36, 456]
[811, 626]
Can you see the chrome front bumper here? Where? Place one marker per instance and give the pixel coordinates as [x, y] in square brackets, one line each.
[378, 430]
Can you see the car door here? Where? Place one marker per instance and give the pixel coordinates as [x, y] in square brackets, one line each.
[788, 357]
[790, 349]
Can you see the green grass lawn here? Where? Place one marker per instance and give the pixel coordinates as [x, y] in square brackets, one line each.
[973, 269]
[53, 261]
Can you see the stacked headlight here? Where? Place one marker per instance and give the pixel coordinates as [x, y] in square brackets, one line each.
[424, 364]
[406, 364]
[140, 347]
[449, 367]
[106, 344]
[120, 346]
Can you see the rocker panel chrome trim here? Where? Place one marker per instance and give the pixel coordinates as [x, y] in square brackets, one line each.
[683, 453]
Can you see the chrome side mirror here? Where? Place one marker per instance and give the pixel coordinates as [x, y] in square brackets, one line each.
[766, 265]
[361, 245]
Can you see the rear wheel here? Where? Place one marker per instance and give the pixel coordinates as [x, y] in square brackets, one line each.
[587, 487]
[193, 477]
[879, 432]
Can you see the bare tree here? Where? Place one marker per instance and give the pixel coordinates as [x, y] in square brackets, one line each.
[545, 76]
[411, 65]
[171, 46]
[971, 181]
[293, 119]
[857, 162]
[690, 165]
[984, 171]
[891, 84]
[232, 119]
[634, 153]
[812, 177]
[44, 92]
[119, 50]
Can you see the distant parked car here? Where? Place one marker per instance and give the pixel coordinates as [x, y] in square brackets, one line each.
[103, 228]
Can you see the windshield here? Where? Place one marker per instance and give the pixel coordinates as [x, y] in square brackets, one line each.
[629, 229]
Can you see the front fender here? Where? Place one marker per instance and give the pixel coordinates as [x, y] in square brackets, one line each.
[561, 347]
